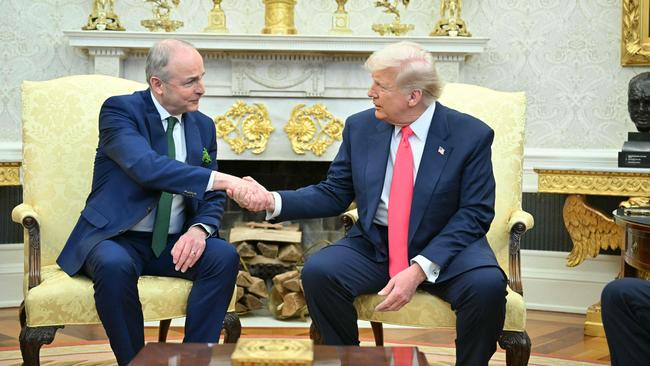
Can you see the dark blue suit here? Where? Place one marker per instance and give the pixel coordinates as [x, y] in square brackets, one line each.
[625, 307]
[452, 208]
[131, 170]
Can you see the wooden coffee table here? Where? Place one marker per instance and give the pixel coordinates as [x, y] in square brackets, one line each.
[178, 354]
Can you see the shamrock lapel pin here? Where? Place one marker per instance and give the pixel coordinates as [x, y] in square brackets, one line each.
[206, 160]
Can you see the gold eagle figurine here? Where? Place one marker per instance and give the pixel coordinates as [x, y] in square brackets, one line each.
[590, 230]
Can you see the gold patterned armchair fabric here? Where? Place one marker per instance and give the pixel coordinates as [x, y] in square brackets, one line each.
[505, 113]
[60, 135]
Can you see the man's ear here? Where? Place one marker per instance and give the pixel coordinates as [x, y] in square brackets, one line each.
[415, 97]
[156, 85]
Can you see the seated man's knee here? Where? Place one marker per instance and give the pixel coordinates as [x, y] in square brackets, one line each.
[220, 251]
[615, 294]
[113, 265]
[488, 286]
[315, 272]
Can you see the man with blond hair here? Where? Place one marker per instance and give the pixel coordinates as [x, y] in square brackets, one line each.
[421, 176]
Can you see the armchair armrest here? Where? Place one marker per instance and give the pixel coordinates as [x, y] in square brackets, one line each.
[25, 215]
[349, 218]
[23, 211]
[520, 221]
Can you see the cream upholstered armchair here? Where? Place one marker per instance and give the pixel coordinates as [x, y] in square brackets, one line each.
[505, 113]
[59, 140]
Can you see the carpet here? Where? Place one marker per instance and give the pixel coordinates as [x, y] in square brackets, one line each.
[101, 355]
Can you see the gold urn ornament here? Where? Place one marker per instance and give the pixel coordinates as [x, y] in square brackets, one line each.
[340, 19]
[162, 16]
[278, 17]
[103, 17]
[216, 19]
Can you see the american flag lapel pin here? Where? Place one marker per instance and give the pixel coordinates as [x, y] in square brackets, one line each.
[441, 150]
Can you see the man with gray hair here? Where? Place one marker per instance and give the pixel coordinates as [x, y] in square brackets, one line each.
[156, 204]
[421, 176]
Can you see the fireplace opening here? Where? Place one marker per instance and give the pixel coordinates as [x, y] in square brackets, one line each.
[279, 175]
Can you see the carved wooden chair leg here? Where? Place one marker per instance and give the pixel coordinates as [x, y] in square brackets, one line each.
[517, 346]
[163, 329]
[314, 334]
[231, 328]
[31, 339]
[378, 332]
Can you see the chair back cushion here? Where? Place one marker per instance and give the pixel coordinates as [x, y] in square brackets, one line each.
[505, 113]
[60, 133]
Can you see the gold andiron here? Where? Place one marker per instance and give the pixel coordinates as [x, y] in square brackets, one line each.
[341, 19]
[278, 17]
[103, 17]
[450, 23]
[161, 16]
[396, 27]
[216, 19]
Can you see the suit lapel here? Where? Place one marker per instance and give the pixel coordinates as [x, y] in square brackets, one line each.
[376, 160]
[431, 166]
[192, 140]
[156, 130]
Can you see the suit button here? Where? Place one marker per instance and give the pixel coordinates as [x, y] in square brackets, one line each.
[148, 209]
[121, 231]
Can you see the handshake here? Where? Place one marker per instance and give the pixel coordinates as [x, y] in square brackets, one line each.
[248, 193]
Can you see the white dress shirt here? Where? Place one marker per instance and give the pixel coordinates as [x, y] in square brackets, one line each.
[417, 141]
[177, 217]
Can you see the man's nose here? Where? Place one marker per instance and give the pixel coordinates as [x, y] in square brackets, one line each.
[200, 87]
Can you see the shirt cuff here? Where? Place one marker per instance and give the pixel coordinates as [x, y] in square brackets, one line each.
[213, 176]
[278, 207]
[431, 270]
[208, 229]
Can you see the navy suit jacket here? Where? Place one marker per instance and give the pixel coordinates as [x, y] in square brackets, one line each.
[453, 196]
[132, 169]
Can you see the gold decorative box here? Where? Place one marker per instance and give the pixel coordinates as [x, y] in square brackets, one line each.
[273, 352]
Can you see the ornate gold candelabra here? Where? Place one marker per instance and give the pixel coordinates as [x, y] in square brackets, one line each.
[396, 27]
[341, 19]
[450, 23]
[103, 17]
[216, 19]
[278, 17]
[162, 16]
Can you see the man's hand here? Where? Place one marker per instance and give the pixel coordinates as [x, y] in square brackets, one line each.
[251, 195]
[188, 249]
[401, 288]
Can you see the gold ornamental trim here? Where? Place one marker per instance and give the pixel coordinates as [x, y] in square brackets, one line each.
[245, 127]
[313, 129]
[273, 352]
[635, 36]
[593, 182]
[9, 174]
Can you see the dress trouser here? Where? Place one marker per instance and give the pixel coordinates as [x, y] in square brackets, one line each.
[333, 277]
[115, 265]
[625, 306]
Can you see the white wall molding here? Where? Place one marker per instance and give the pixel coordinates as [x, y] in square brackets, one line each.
[11, 151]
[11, 275]
[600, 159]
[552, 286]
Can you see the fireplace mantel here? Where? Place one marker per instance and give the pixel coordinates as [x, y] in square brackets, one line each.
[276, 71]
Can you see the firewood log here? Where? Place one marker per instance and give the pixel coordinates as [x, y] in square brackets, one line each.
[244, 279]
[290, 253]
[268, 250]
[246, 250]
[258, 288]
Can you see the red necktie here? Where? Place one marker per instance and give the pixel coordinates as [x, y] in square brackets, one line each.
[399, 205]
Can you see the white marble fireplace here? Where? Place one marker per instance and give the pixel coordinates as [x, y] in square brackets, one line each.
[278, 72]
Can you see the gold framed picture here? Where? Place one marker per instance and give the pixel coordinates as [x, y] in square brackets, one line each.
[635, 33]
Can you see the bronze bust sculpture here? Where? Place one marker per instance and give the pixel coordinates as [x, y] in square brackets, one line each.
[638, 101]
